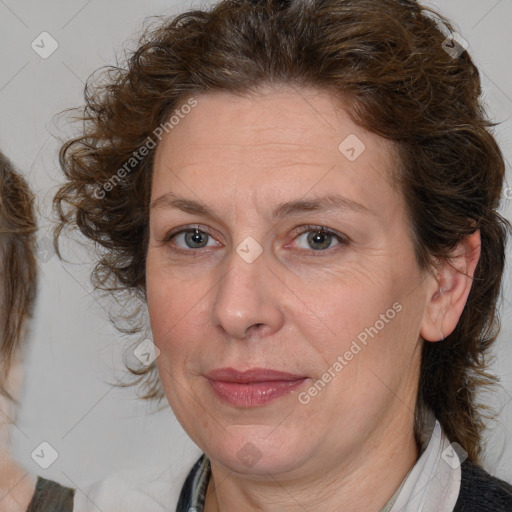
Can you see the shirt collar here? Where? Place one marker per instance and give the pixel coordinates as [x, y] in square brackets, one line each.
[433, 483]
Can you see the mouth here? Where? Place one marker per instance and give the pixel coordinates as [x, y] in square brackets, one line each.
[254, 387]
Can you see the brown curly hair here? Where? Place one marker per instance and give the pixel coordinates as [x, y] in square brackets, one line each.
[391, 60]
[17, 263]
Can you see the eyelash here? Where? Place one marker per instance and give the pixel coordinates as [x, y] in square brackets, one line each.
[342, 239]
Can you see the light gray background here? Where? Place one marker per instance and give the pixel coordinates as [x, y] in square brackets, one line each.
[74, 351]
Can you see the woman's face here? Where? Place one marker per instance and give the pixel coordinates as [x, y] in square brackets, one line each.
[302, 263]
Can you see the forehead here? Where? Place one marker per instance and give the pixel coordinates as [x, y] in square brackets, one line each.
[272, 139]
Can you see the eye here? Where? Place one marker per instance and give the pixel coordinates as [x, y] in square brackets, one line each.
[191, 238]
[319, 239]
[310, 238]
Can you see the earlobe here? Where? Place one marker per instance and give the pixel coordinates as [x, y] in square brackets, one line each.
[449, 289]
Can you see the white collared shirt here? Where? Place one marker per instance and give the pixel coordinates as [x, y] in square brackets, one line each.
[433, 483]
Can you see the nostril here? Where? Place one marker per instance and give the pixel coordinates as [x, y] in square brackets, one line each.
[255, 327]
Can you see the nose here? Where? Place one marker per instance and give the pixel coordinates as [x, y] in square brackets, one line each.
[247, 300]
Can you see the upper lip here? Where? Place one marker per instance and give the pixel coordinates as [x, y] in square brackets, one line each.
[251, 375]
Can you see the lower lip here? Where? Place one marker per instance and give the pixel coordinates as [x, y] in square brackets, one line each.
[253, 394]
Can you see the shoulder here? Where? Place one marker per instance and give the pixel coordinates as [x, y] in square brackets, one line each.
[482, 492]
[153, 486]
[145, 488]
[50, 496]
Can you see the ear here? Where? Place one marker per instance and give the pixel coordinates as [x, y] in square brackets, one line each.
[448, 289]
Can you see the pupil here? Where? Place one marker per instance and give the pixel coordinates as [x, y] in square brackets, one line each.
[195, 238]
[320, 238]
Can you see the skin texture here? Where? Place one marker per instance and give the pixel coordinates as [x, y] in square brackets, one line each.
[294, 309]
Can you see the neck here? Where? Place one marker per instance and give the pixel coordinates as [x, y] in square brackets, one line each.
[366, 481]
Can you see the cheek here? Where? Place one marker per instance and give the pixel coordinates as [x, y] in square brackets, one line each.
[378, 308]
[158, 298]
[178, 313]
[354, 298]
[167, 309]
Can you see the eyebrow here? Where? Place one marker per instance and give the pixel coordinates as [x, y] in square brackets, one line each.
[333, 202]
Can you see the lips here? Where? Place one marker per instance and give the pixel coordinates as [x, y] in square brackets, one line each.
[254, 387]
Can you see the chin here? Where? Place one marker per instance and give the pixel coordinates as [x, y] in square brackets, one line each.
[251, 450]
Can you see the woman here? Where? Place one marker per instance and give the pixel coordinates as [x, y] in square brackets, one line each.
[19, 490]
[305, 194]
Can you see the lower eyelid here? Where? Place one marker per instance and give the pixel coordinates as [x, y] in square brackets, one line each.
[185, 231]
[338, 236]
[320, 252]
[173, 234]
